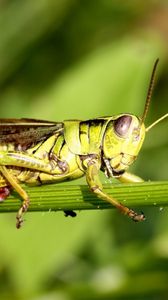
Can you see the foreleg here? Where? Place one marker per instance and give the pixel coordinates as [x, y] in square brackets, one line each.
[95, 185]
[129, 178]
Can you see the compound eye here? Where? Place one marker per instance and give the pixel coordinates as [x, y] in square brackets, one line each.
[122, 125]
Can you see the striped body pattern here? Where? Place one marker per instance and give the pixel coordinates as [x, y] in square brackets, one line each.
[66, 150]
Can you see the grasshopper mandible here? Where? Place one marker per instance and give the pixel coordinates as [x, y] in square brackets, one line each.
[42, 152]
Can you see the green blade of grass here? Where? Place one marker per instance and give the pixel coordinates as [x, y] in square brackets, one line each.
[78, 197]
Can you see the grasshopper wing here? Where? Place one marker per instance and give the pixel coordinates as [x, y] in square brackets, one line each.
[25, 132]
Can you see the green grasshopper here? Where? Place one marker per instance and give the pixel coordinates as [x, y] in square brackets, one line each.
[42, 152]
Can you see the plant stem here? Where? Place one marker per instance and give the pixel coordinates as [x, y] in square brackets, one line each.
[78, 197]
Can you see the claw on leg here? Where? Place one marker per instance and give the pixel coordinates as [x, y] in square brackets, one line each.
[22, 210]
[131, 213]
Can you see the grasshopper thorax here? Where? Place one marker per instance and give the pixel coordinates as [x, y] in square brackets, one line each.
[122, 141]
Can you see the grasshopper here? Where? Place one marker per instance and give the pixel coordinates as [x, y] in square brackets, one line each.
[42, 152]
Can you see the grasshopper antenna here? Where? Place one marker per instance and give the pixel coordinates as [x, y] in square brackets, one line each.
[156, 122]
[148, 99]
[150, 90]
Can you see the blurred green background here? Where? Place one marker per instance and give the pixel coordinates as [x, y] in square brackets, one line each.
[67, 59]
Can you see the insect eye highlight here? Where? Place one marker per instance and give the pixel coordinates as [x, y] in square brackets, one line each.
[122, 125]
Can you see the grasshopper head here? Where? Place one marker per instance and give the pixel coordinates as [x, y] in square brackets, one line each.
[122, 141]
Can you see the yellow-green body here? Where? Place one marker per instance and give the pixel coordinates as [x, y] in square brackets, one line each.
[78, 141]
[32, 154]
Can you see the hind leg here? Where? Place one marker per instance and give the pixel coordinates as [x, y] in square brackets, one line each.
[25, 204]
